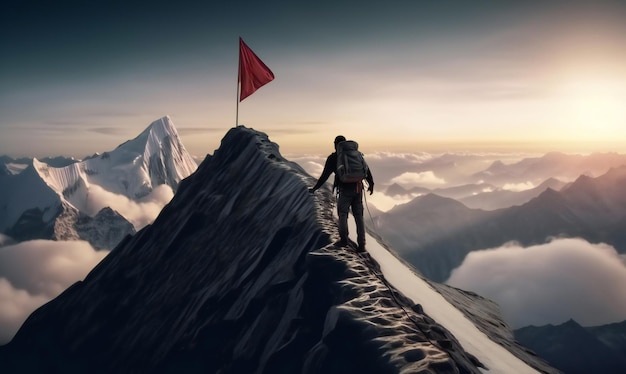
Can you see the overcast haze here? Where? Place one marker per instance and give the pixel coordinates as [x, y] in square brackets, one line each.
[398, 75]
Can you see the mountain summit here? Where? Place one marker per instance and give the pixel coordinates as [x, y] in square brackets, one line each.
[240, 274]
[46, 202]
[133, 169]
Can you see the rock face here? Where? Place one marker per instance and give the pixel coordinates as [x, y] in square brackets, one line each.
[104, 230]
[4, 170]
[238, 274]
[579, 350]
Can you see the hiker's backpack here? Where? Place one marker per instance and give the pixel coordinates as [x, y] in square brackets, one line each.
[351, 166]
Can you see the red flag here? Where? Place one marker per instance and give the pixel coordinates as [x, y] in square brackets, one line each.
[253, 73]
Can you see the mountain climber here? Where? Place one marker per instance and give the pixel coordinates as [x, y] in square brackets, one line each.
[349, 192]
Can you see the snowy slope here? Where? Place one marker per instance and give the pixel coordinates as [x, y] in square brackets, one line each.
[406, 280]
[133, 170]
[240, 274]
[26, 191]
[14, 169]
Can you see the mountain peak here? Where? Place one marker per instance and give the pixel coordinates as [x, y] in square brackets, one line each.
[575, 349]
[396, 189]
[133, 170]
[240, 273]
[156, 132]
[435, 201]
[496, 165]
[163, 127]
[549, 200]
[616, 173]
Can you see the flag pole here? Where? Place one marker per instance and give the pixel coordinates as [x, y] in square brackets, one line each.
[238, 87]
[237, 115]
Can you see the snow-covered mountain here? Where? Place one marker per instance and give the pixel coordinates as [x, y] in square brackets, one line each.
[11, 166]
[240, 274]
[46, 202]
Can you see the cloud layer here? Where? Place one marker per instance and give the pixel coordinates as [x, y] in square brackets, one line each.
[518, 186]
[34, 272]
[140, 213]
[549, 283]
[423, 179]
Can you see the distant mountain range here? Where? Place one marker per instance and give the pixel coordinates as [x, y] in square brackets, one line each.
[480, 196]
[477, 169]
[551, 165]
[22, 162]
[500, 198]
[578, 350]
[435, 233]
[52, 202]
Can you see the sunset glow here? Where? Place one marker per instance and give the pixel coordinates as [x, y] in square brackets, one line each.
[595, 108]
[441, 76]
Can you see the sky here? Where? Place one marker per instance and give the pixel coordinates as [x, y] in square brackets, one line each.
[79, 77]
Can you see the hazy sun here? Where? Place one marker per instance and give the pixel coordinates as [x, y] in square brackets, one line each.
[594, 108]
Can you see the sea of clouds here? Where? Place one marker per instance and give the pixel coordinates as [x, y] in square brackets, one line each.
[549, 283]
[35, 272]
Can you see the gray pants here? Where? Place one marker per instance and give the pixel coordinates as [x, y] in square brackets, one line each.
[354, 200]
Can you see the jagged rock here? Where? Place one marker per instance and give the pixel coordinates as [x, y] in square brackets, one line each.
[105, 230]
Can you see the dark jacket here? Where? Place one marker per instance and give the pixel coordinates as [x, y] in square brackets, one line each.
[331, 167]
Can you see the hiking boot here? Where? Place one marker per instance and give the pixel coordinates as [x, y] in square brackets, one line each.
[361, 248]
